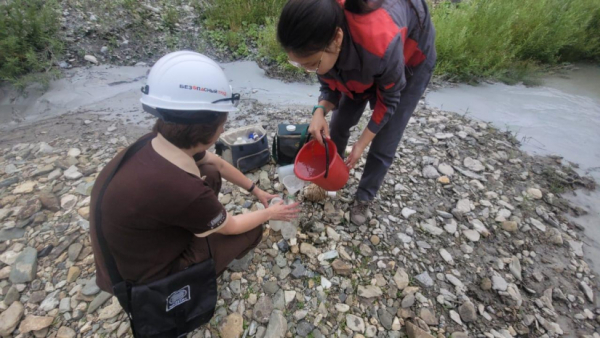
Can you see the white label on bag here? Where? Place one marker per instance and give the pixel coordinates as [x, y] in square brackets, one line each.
[178, 297]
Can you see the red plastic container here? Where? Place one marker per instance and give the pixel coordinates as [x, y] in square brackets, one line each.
[311, 165]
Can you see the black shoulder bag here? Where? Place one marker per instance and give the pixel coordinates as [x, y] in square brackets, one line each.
[170, 307]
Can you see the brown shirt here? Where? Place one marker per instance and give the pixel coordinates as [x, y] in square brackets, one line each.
[150, 213]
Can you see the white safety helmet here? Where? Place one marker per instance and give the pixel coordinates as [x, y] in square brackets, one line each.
[182, 86]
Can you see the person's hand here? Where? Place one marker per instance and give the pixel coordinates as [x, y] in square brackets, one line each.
[263, 196]
[355, 155]
[282, 212]
[318, 126]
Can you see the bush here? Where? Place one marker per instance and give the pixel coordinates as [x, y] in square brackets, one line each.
[29, 40]
[508, 39]
[234, 14]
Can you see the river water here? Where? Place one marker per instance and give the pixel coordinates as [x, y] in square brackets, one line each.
[560, 117]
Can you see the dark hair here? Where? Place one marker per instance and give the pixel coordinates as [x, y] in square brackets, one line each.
[186, 136]
[308, 26]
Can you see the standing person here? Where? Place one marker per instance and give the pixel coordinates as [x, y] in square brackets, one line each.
[378, 52]
[160, 213]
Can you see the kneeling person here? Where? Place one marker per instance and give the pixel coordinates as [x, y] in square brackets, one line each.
[160, 213]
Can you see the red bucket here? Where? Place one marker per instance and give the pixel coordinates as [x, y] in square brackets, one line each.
[321, 165]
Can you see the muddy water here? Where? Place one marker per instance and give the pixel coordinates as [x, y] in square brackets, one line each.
[115, 92]
[560, 117]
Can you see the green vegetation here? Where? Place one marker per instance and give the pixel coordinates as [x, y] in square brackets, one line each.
[29, 41]
[510, 39]
[507, 40]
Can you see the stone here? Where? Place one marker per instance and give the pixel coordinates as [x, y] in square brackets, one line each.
[25, 267]
[369, 291]
[74, 152]
[408, 301]
[309, 250]
[401, 279]
[331, 233]
[515, 267]
[375, 240]
[467, 312]
[431, 228]
[25, 188]
[474, 165]
[262, 310]
[510, 226]
[455, 317]
[341, 268]
[429, 171]
[355, 323]
[232, 326]
[535, 193]
[110, 311]
[66, 332]
[73, 274]
[539, 225]
[11, 296]
[325, 283]
[67, 202]
[72, 173]
[576, 247]
[499, 283]
[49, 201]
[343, 308]
[65, 305]
[428, 317]
[10, 234]
[451, 227]
[91, 58]
[424, 279]
[446, 256]
[444, 180]
[413, 331]
[90, 288]
[406, 212]
[589, 293]
[304, 328]
[277, 327]
[10, 318]
[446, 169]
[472, 235]
[50, 303]
[98, 301]
[74, 251]
[463, 206]
[385, 318]
[486, 284]
[35, 323]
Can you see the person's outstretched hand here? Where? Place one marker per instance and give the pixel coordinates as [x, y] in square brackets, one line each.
[282, 212]
[263, 196]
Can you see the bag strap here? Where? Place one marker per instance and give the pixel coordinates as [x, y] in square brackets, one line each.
[303, 137]
[274, 151]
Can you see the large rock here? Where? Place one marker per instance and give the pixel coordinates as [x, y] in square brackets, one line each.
[98, 301]
[474, 165]
[413, 331]
[67, 202]
[72, 173]
[49, 201]
[355, 323]
[25, 188]
[467, 312]
[66, 332]
[232, 326]
[429, 171]
[401, 279]
[262, 309]
[341, 268]
[25, 267]
[35, 323]
[309, 250]
[277, 327]
[369, 291]
[424, 279]
[10, 318]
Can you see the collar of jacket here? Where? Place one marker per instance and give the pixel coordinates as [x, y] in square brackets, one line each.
[348, 58]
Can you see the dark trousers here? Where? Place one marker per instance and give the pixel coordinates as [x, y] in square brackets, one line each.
[384, 145]
[224, 248]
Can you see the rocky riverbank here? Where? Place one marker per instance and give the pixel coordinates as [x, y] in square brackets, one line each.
[467, 238]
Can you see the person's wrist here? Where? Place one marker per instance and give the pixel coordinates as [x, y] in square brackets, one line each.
[318, 109]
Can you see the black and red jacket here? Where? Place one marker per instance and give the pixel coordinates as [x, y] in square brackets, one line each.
[378, 50]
